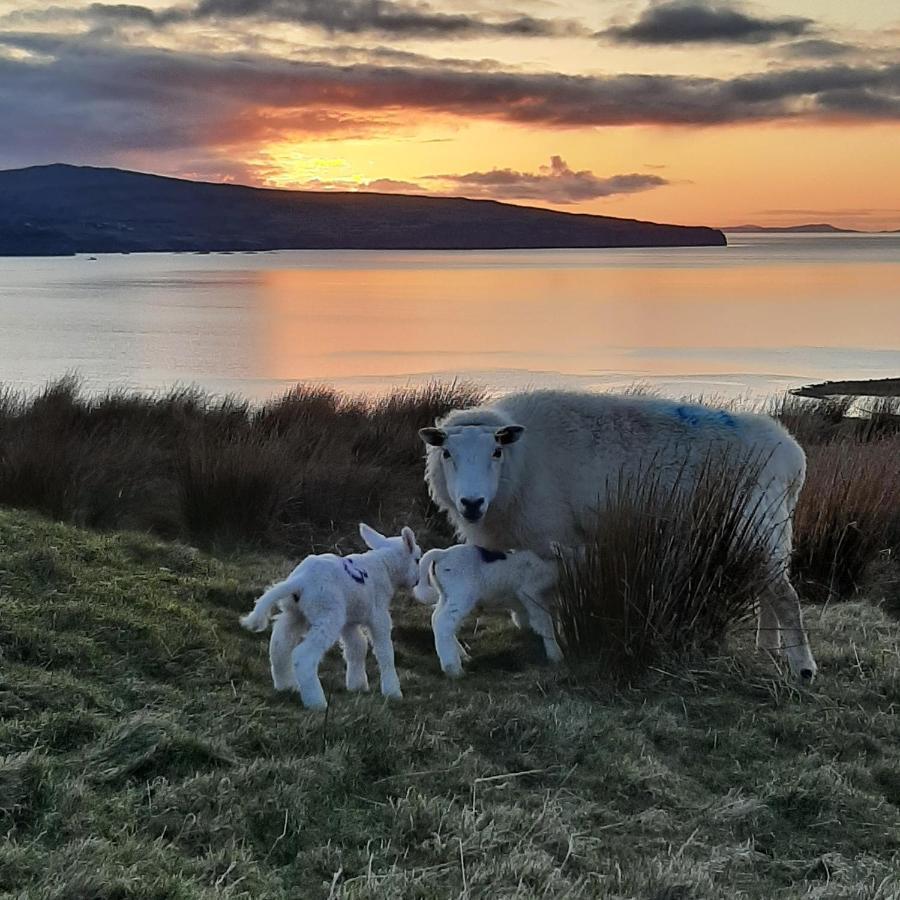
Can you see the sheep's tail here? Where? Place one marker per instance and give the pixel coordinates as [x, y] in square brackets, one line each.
[258, 619]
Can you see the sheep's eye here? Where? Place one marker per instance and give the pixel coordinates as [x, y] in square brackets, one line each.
[497, 453]
[446, 454]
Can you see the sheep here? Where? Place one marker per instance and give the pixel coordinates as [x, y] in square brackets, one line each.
[328, 597]
[533, 469]
[460, 578]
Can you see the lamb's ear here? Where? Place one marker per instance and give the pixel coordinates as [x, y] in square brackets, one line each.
[409, 538]
[509, 434]
[372, 539]
[434, 437]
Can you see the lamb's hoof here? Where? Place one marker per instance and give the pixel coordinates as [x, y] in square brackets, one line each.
[361, 687]
[393, 695]
[455, 672]
[315, 706]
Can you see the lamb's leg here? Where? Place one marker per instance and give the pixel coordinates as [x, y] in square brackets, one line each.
[541, 623]
[306, 658]
[355, 648]
[383, 647]
[786, 606]
[287, 632]
[768, 632]
[445, 620]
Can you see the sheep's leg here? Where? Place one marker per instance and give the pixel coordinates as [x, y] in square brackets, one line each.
[287, 632]
[355, 648]
[768, 632]
[445, 621]
[306, 658]
[383, 647]
[541, 623]
[786, 606]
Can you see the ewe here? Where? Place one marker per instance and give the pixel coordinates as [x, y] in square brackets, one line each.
[533, 469]
[329, 597]
[464, 577]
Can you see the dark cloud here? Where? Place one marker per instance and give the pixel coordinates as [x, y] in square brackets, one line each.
[556, 183]
[78, 97]
[390, 17]
[815, 48]
[703, 21]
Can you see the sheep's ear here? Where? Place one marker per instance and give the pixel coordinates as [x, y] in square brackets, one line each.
[509, 434]
[372, 539]
[409, 538]
[434, 437]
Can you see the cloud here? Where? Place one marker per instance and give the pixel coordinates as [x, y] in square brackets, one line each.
[818, 48]
[389, 17]
[704, 21]
[87, 99]
[556, 183]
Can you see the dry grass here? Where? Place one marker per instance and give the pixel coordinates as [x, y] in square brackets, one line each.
[296, 473]
[668, 568]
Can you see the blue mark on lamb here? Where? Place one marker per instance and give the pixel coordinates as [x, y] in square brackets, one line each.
[490, 556]
[355, 572]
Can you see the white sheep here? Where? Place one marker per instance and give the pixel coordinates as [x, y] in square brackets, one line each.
[461, 578]
[329, 597]
[533, 469]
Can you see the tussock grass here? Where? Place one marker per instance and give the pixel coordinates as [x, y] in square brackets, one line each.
[848, 516]
[668, 568]
[143, 754]
[295, 473]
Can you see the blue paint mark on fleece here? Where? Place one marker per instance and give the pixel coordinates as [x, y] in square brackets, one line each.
[490, 556]
[699, 415]
[355, 572]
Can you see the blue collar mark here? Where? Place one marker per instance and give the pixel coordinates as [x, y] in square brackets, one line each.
[490, 556]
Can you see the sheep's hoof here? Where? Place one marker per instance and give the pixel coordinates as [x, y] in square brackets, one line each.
[393, 695]
[454, 672]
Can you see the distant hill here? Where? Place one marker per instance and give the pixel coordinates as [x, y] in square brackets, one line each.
[62, 209]
[815, 228]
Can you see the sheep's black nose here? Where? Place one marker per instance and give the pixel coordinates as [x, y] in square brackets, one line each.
[472, 507]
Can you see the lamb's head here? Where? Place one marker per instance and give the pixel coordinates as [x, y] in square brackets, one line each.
[472, 459]
[405, 552]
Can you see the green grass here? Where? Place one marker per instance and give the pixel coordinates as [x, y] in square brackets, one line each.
[144, 755]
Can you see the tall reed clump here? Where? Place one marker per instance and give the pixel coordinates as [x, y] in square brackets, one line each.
[848, 515]
[292, 474]
[669, 568]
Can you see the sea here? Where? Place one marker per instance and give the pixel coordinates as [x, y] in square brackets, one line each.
[766, 313]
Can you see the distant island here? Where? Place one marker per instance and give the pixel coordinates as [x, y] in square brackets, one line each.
[62, 210]
[814, 228]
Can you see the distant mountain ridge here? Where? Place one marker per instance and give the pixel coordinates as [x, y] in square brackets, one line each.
[61, 209]
[814, 228]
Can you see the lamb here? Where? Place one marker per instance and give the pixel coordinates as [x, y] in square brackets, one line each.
[533, 469]
[460, 578]
[329, 597]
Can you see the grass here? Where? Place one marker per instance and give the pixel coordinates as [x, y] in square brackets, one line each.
[295, 474]
[667, 569]
[144, 755]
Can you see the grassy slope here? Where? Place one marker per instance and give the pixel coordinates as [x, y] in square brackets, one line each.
[142, 754]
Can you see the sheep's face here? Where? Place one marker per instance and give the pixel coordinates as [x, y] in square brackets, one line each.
[471, 457]
[405, 549]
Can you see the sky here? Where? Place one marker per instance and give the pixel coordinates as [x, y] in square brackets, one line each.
[691, 111]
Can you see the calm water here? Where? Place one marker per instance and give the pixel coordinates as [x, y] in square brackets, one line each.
[766, 313]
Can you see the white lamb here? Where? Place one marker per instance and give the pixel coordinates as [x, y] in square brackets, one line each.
[461, 578]
[329, 597]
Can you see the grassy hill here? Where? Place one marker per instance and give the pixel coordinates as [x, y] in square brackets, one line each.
[143, 754]
[61, 209]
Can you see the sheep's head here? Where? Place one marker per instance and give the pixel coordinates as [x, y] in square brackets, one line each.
[404, 548]
[472, 458]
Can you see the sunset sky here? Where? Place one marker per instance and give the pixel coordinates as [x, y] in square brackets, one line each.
[691, 111]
